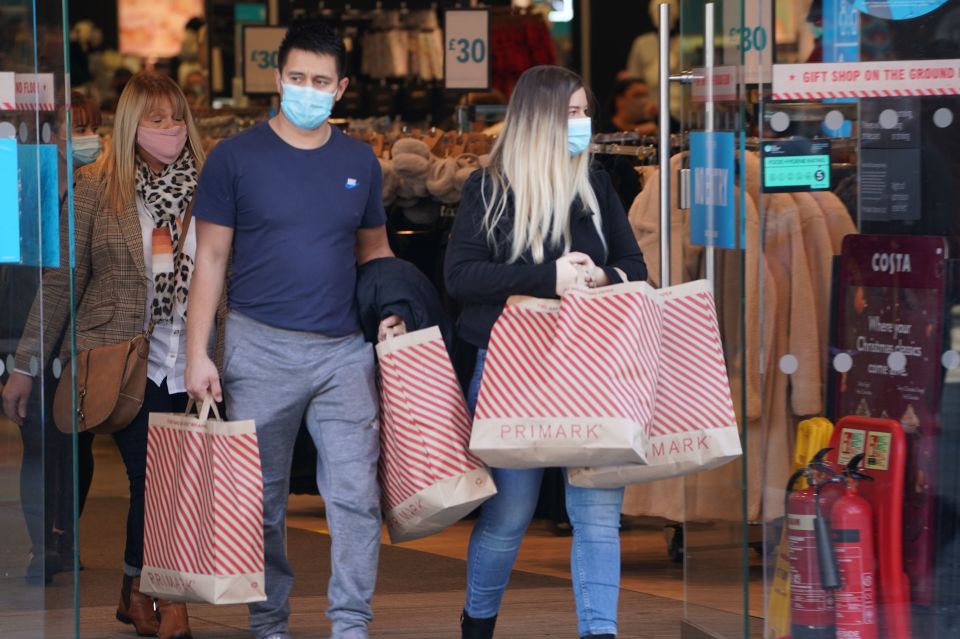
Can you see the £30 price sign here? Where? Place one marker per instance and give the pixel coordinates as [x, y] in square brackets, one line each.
[469, 50]
[466, 59]
[264, 59]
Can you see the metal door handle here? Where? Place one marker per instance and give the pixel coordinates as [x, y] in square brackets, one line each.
[664, 144]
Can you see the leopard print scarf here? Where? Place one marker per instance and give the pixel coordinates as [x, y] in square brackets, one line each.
[166, 196]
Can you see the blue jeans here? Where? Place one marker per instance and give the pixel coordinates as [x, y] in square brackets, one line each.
[594, 559]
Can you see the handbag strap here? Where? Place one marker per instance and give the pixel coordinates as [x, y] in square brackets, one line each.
[187, 218]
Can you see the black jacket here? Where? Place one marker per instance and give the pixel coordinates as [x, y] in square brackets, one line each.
[390, 286]
[479, 276]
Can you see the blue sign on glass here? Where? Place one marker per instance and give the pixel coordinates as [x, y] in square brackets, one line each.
[898, 9]
[9, 211]
[39, 205]
[841, 43]
[712, 210]
[841, 31]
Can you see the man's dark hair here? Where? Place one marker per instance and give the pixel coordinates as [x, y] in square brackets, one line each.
[622, 86]
[315, 36]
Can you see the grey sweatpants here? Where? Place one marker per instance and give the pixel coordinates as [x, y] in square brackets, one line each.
[275, 377]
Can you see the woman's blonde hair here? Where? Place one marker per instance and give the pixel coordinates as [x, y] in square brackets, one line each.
[119, 164]
[531, 164]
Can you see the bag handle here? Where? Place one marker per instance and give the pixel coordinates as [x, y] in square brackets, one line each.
[203, 411]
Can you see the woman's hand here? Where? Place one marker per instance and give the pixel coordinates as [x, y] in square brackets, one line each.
[391, 327]
[571, 268]
[596, 277]
[15, 396]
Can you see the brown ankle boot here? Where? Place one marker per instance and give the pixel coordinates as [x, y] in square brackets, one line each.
[174, 623]
[137, 609]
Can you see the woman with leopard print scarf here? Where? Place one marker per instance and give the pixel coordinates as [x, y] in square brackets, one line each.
[132, 274]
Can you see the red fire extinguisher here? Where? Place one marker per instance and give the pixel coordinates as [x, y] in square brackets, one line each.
[813, 574]
[852, 522]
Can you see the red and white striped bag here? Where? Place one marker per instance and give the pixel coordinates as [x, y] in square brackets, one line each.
[203, 539]
[571, 381]
[694, 425]
[428, 477]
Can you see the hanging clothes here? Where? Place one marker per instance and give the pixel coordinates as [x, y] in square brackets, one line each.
[518, 41]
[783, 308]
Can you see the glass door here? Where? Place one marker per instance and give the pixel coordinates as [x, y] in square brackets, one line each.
[38, 507]
[859, 170]
[711, 54]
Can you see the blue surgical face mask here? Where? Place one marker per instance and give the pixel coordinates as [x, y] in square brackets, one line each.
[86, 149]
[306, 107]
[579, 132]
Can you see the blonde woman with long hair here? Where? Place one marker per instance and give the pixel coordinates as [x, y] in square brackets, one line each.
[133, 271]
[528, 225]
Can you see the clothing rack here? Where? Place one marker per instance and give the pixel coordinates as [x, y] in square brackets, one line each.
[643, 147]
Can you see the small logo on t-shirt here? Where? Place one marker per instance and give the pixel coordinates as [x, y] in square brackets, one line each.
[351, 184]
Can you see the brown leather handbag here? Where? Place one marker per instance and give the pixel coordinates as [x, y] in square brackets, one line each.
[111, 381]
[110, 384]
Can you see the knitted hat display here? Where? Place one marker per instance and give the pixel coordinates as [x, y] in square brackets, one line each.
[412, 146]
[412, 161]
[390, 181]
[467, 163]
[440, 183]
[408, 165]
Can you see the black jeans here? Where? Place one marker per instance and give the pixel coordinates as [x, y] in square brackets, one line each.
[132, 442]
[46, 472]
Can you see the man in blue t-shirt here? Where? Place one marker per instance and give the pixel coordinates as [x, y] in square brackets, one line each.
[299, 203]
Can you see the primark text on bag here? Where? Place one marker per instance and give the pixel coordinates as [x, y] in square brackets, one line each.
[571, 381]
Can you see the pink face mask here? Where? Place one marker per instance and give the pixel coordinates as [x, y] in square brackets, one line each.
[163, 144]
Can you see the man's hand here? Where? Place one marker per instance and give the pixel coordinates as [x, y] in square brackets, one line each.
[202, 377]
[391, 327]
[15, 396]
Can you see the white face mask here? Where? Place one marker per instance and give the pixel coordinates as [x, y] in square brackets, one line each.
[86, 149]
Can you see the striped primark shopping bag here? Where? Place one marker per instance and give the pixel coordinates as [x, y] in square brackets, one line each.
[694, 426]
[203, 540]
[428, 477]
[572, 381]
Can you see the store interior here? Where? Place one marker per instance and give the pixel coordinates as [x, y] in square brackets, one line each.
[704, 552]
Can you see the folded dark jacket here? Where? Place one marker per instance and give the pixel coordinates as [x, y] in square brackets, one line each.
[391, 286]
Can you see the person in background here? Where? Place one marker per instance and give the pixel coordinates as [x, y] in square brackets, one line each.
[120, 78]
[195, 88]
[643, 61]
[532, 223]
[294, 349]
[128, 215]
[46, 477]
[188, 60]
[631, 109]
[85, 142]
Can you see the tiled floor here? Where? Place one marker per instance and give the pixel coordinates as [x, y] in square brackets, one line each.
[651, 602]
